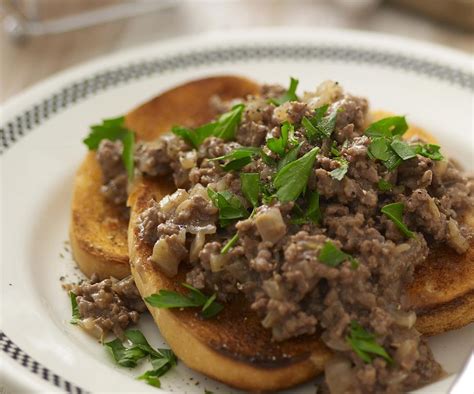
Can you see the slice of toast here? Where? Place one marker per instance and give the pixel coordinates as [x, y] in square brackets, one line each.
[234, 348]
[98, 228]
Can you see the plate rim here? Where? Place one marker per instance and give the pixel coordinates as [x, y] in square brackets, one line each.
[71, 86]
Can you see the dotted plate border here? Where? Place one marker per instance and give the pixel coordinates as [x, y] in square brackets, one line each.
[77, 91]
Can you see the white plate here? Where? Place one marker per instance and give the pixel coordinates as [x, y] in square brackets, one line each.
[41, 145]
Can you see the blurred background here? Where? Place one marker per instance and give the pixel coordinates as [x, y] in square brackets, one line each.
[41, 37]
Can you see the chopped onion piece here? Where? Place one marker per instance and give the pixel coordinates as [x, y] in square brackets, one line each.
[270, 225]
[196, 246]
[165, 258]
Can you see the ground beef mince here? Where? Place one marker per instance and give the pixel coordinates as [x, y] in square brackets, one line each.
[326, 259]
[109, 305]
[114, 175]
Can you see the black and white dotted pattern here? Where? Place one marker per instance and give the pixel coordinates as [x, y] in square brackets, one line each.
[71, 94]
[35, 367]
[23, 123]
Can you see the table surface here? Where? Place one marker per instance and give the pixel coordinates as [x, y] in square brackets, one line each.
[39, 57]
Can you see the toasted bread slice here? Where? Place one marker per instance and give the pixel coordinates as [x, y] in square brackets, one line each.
[98, 229]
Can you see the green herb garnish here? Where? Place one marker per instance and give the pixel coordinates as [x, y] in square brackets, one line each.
[364, 344]
[341, 171]
[403, 149]
[229, 205]
[384, 185]
[238, 158]
[76, 316]
[430, 151]
[224, 127]
[292, 179]
[125, 356]
[332, 256]
[114, 129]
[388, 127]
[278, 145]
[230, 243]
[193, 299]
[290, 156]
[250, 187]
[320, 126]
[290, 94]
[395, 213]
[162, 360]
[312, 213]
[194, 137]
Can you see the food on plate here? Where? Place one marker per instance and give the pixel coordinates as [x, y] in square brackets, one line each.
[276, 236]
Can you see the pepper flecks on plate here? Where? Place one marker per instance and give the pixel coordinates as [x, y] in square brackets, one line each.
[314, 216]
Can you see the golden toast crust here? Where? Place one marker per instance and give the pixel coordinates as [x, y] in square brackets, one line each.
[98, 229]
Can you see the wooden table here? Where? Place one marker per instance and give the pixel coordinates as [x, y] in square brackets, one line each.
[40, 57]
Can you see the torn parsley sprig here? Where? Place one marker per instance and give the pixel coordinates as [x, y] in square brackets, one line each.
[364, 344]
[114, 129]
[238, 158]
[279, 145]
[312, 214]
[292, 179]
[229, 205]
[320, 126]
[224, 127]
[388, 147]
[341, 171]
[162, 360]
[76, 316]
[193, 299]
[332, 256]
[394, 212]
[290, 94]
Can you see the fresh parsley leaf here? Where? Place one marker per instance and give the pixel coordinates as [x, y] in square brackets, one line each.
[208, 391]
[341, 171]
[430, 151]
[290, 156]
[110, 129]
[240, 153]
[250, 187]
[332, 256]
[403, 149]
[172, 299]
[137, 339]
[194, 298]
[224, 127]
[384, 185]
[292, 179]
[394, 212]
[290, 94]
[76, 316]
[334, 151]
[229, 205]
[114, 129]
[150, 379]
[238, 158]
[388, 127]
[237, 164]
[278, 145]
[313, 211]
[194, 137]
[228, 122]
[128, 142]
[364, 344]
[125, 357]
[320, 126]
[380, 148]
[230, 243]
